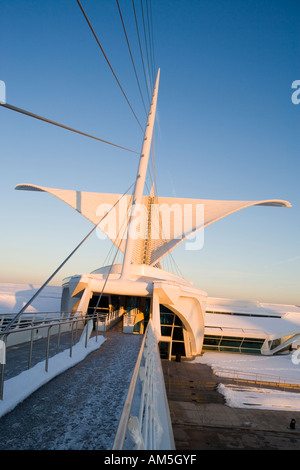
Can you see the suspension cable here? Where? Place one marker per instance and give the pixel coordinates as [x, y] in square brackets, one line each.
[109, 64]
[126, 36]
[147, 53]
[151, 34]
[150, 41]
[49, 121]
[117, 248]
[140, 46]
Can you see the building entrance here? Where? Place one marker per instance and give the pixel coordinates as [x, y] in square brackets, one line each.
[173, 329]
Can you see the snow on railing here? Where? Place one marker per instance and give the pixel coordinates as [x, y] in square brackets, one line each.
[52, 323]
[145, 421]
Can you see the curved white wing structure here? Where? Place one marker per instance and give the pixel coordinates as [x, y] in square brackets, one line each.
[165, 222]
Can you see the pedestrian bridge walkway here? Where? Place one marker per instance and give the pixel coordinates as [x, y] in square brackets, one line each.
[105, 401]
[79, 409]
[85, 407]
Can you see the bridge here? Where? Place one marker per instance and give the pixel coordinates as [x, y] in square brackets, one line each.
[107, 390]
[120, 395]
[94, 391]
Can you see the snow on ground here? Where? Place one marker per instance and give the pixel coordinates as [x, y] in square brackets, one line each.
[261, 398]
[280, 367]
[14, 296]
[23, 385]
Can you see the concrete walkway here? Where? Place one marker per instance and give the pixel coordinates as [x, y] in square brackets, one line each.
[79, 409]
[202, 421]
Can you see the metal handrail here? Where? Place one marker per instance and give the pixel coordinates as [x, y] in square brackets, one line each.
[34, 319]
[258, 378]
[123, 423]
[72, 319]
[152, 421]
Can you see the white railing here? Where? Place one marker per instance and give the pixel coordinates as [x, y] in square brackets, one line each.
[33, 326]
[107, 320]
[50, 324]
[129, 320]
[258, 378]
[30, 319]
[145, 421]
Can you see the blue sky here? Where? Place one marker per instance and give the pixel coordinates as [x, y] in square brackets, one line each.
[226, 129]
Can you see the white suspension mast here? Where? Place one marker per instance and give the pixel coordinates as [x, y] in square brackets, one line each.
[139, 184]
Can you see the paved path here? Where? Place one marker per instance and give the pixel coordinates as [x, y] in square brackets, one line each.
[202, 421]
[79, 409]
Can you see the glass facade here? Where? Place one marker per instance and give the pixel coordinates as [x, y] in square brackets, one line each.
[99, 305]
[259, 315]
[172, 327]
[232, 344]
[143, 306]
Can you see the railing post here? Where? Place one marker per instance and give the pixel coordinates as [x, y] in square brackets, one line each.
[3, 369]
[30, 349]
[47, 351]
[96, 326]
[58, 337]
[71, 342]
[86, 333]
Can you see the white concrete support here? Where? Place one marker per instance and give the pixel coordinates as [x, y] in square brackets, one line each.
[189, 305]
[84, 301]
[139, 185]
[156, 314]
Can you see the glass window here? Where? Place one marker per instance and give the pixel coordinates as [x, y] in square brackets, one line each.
[233, 344]
[115, 300]
[212, 340]
[178, 334]
[166, 331]
[178, 322]
[250, 350]
[178, 348]
[132, 303]
[102, 305]
[164, 309]
[164, 349]
[231, 341]
[252, 343]
[229, 348]
[166, 319]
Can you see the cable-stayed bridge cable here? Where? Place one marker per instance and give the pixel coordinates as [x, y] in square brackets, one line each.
[62, 264]
[151, 34]
[117, 248]
[49, 121]
[147, 53]
[134, 68]
[150, 39]
[141, 50]
[108, 62]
